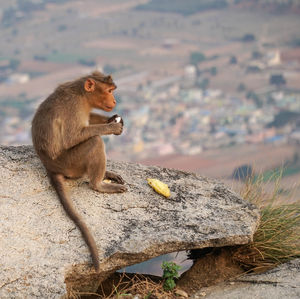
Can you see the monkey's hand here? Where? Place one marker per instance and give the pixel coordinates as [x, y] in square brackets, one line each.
[116, 128]
[116, 118]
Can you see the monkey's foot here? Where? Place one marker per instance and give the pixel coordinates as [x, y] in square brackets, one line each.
[109, 175]
[109, 188]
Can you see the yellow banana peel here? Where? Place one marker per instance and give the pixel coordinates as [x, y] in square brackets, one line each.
[159, 187]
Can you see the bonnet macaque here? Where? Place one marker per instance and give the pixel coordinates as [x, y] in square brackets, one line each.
[67, 137]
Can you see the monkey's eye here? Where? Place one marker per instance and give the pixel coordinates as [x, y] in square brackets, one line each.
[110, 90]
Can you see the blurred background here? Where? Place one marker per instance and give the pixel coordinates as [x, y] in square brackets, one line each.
[208, 86]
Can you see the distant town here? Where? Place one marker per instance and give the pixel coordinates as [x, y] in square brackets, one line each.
[177, 114]
[180, 91]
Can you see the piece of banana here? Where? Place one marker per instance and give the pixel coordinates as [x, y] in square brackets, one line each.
[159, 187]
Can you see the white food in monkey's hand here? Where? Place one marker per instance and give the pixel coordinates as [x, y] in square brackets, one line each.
[118, 119]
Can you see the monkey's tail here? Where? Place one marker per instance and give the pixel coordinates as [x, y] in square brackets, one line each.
[57, 181]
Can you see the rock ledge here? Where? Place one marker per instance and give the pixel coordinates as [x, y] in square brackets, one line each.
[42, 254]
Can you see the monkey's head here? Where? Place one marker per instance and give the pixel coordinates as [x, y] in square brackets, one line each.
[99, 91]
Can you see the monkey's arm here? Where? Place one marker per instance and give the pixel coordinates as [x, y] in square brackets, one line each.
[85, 133]
[97, 119]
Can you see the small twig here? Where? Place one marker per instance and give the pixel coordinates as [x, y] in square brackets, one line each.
[9, 282]
[258, 281]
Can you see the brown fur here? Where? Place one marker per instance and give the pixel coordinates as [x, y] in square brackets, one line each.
[66, 136]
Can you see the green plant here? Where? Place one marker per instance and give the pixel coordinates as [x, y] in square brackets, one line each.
[197, 57]
[170, 272]
[277, 79]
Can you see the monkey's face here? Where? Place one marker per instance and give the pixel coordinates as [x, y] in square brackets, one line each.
[105, 99]
[101, 95]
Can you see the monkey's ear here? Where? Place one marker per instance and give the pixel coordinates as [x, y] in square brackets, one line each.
[89, 85]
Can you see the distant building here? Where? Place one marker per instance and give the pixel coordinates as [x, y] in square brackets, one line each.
[190, 71]
[273, 58]
[169, 43]
[18, 78]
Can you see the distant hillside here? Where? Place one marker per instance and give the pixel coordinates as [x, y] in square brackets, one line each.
[270, 2]
[188, 7]
[276, 6]
[11, 13]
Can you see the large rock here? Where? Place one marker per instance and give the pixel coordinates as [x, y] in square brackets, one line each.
[42, 253]
[281, 282]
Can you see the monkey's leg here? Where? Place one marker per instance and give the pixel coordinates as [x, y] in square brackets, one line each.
[86, 157]
[96, 169]
[110, 188]
[115, 177]
[73, 163]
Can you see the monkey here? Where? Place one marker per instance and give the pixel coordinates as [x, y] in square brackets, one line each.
[66, 136]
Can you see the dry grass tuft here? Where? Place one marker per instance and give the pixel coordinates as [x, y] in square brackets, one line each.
[277, 238]
[129, 286]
